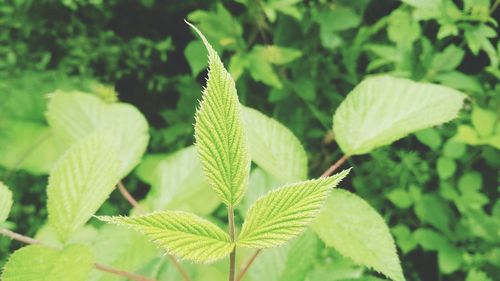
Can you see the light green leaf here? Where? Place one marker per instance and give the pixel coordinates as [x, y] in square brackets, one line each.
[284, 213]
[37, 262]
[433, 210]
[274, 147]
[400, 198]
[449, 59]
[195, 55]
[276, 55]
[483, 121]
[81, 181]
[75, 115]
[429, 137]
[220, 27]
[446, 167]
[219, 133]
[290, 262]
[5, 202]
[383, 109]
[356, 230]
[177, 182]
[26, 142]
[181, 234]
[260, 183]
[122, 249]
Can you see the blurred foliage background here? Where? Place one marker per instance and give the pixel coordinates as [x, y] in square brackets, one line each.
[294, 60]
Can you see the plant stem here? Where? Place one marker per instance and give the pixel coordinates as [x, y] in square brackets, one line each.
[232, 256]
[247, 266]
[129, 197]
[335, 166]
[129, 275]
[179, 267]
[30, 240]
[18, 237]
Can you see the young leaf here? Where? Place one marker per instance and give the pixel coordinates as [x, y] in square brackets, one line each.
[81, 181]
[35, 262]
[181, 234]
[219, 132]
[357, 231]
[75, 115]
[5, 202]
[274, 147]
[384, 109]
[284, 213]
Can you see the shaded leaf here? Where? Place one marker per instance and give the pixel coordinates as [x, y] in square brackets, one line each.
[274, 147]
[351, 226]
[35, 262]
[5, 202]
[177, 182]
[122, 249]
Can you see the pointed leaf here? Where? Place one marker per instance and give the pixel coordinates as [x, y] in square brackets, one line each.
[284, 213]
[81, 181]
[75, 115]
[181, 234]
[219, 133]
[5, 202]
[35, 262]
[274, 147]
[357, 231]
[384, 109]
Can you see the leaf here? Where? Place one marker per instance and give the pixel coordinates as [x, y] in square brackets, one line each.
[449, 59]
[446, 167]
[433, 210]
[351, 226]
[181, 234]
[29, 146]
[35, 262]
[274, 147]
[5, 202]
[383, 109]
[400, 198]
[220, 27]
[219, 133]
[195, 55]
[76, 115]
[260, 183]
[284, 213]
[290, 262]
[81, 181]
[122, 249]
[177, 182]
[483, 121]
[26, 142]
[275, 54]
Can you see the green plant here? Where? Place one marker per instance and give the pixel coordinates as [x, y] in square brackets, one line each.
[104, 140]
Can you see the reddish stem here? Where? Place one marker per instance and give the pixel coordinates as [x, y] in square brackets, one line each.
[247, 266]
[335, 166]
[29, 240]
[129, 197]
